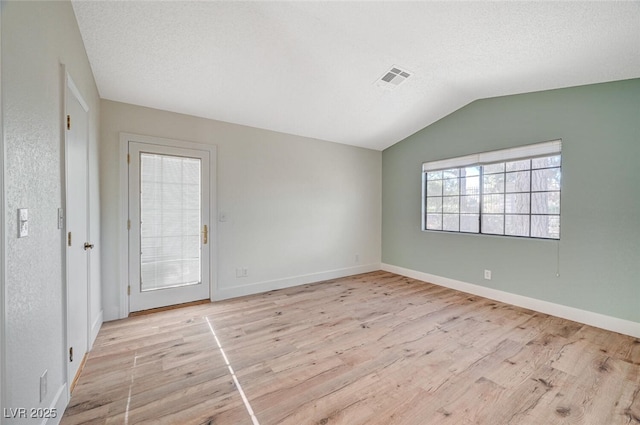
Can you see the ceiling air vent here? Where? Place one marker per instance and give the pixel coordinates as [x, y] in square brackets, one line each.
[393, 78]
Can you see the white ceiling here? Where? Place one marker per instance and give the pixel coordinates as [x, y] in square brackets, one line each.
[310, 68]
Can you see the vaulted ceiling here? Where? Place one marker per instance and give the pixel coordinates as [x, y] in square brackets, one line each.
[313, 68]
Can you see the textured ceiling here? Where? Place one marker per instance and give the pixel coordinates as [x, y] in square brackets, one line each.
[310, 68]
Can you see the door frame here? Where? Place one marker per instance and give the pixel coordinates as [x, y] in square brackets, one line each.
[69, 84]
[123, 216]
[151, 298]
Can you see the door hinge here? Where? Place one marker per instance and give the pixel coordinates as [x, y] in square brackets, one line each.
[69, 239]
[68, 122]
[129, 290]
[205, 235]
[128, 159]
[70, 354]
[128, 224]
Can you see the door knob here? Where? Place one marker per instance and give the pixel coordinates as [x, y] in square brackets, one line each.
[88, 245]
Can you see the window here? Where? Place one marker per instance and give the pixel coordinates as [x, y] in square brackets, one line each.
[511, 192]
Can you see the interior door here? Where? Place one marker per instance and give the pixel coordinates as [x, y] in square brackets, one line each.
[169, 229]
[77, 225]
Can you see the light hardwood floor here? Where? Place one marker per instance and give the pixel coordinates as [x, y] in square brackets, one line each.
[372, 349]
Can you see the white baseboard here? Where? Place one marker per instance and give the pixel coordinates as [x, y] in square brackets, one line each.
[95, 328]
[59, 403]
[270, 285]
[597, 320]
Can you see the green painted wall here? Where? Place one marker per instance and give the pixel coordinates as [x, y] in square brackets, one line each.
[598, 255]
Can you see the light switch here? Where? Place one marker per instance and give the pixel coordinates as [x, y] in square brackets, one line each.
[23, 222]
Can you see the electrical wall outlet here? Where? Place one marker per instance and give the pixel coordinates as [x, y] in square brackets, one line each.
[242, 272]
[43, 385]
[487, 274]
[357, 258]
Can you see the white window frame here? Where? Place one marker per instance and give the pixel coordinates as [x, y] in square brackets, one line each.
[481, 160]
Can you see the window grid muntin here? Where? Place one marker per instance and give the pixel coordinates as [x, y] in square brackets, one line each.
[480, 196]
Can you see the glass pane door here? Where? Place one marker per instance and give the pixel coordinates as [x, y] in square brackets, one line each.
[169, 221]
[169, 243]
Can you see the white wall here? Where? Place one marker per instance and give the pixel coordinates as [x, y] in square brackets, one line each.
[36, 38]
[298, 210]
[2, 238]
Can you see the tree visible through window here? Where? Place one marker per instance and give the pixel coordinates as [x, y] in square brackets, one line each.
[518, 195]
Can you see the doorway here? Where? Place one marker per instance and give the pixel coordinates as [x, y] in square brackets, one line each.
[170, 237]
[78, 247]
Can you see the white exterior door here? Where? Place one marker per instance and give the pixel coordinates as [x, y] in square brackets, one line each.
[77, 225]
[169, 235]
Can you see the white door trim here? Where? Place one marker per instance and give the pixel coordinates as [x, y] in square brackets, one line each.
[69, 84]
[123, 233]
[140, 299]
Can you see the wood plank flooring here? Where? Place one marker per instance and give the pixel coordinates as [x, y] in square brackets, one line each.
[375, 349]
